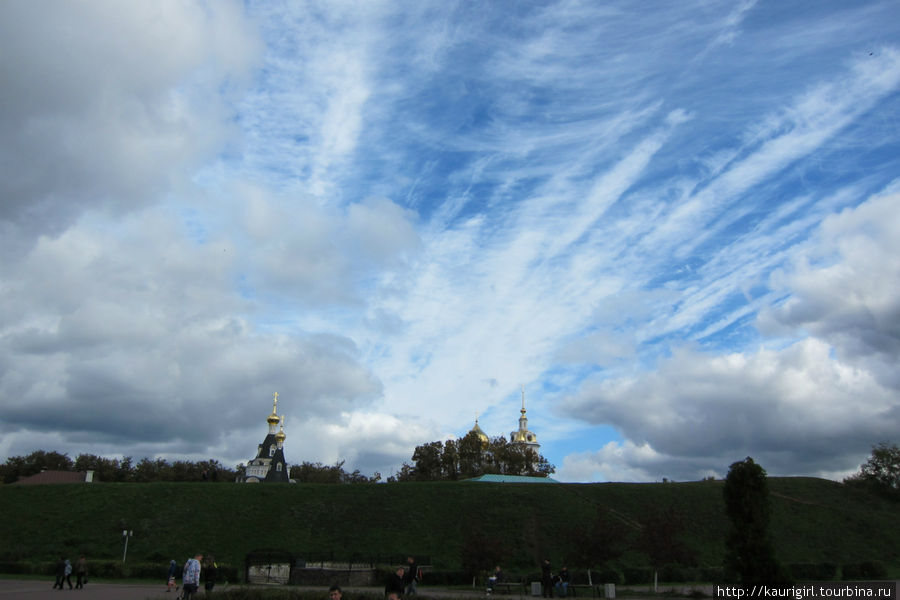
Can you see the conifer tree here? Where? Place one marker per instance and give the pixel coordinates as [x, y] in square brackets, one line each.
[749, 551]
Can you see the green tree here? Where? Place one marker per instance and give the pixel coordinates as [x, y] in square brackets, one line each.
[307, 472]
[406, 473]
[471, 456]
[39, 460]
[152, 470]
[106, 469]
[450, 461]
[881, 470]
[428, 464]
[537, 465]
[749, 551]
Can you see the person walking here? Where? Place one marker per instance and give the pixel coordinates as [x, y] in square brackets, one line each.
[190, 581]
[60, 573]
[68, 572]
[411, 576]
[209, 573]
[80, 572]
[170, 577]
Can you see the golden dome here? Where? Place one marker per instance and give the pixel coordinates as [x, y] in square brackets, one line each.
[280, 436]
[273, 418]
[480, 433]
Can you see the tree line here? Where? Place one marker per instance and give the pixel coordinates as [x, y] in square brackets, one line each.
[115, 469]
[146, 470]
[435, 461]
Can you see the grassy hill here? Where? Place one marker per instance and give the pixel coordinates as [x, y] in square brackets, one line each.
[814, 520]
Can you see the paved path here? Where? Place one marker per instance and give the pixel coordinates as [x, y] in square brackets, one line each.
[12, 589]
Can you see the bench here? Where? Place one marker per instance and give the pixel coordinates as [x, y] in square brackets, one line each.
[508, 587]
[596, 590]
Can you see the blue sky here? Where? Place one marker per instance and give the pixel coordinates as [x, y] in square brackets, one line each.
[676, 225]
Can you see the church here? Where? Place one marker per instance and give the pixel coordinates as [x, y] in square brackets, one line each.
[521, 436]
[269, 465]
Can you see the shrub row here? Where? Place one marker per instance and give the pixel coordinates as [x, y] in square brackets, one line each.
[813, 571]
[670, 574]
[445, 578]
[868, 570]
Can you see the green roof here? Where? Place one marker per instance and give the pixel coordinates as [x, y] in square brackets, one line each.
[491, 478]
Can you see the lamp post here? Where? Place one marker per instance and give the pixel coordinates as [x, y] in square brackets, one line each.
[125, 535]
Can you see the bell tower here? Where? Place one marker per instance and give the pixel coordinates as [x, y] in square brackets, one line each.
[523, 435]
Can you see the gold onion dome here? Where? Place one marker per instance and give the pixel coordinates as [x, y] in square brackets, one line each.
[280, 436]
[479, 432]
[273, 419]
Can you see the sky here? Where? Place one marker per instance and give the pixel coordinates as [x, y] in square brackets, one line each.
[674, 225]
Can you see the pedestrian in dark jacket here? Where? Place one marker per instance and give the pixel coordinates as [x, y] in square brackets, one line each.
[209, 574]
[393, 590]
[60, 573]
[546, 579]
[80, 572]
[411, 576]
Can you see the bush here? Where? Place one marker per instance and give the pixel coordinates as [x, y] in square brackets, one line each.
[454, 578]
[677, 574]
[637, 575]
[873, 570]
[13, 567]
[813, 571]
[712, 574]
[608, 576]
[868, 570]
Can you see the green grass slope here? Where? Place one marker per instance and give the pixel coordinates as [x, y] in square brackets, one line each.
[814, 520]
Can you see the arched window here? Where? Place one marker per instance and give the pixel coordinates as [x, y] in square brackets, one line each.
[278, 467]
[272, 450]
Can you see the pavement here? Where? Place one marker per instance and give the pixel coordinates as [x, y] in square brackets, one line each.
[11, 589]
[14, 589]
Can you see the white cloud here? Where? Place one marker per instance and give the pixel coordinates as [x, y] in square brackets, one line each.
[613, 462]
[116, 334]
[111, 105]
[818, 402]
[844, 288]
